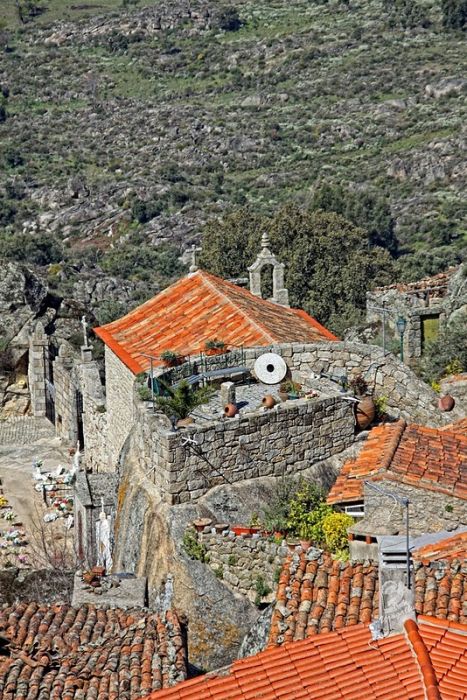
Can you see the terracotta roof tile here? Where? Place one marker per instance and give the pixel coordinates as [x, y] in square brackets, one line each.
[432, 458]
[323, 594]
[449, 548]
[200, 307]
[345, 664]
[439, 282]
[63, 653]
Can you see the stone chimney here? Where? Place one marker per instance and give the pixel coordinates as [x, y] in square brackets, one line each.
[280, 294]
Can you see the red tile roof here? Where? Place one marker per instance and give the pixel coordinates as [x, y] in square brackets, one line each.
[202, 307]
[446, 645]
[430, 458]
[449, 548]
[56, 652]
[344, 664]
[321, 595]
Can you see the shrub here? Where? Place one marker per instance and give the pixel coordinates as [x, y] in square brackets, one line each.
[334, 526]
[228, 19]
[262, 589]
[449, 348]
[454, 14]
[192, 546]
[183, 400]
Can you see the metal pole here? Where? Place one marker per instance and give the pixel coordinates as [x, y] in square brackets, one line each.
[384, 330]
[152, 386]
[402, 347]
[407, 545]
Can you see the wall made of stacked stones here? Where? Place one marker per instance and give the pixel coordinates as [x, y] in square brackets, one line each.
[407, 396]
[429, 511]
[283, 441]
[248, 565]
[120, 414]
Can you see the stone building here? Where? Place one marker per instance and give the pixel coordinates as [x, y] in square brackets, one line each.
[403, 467]
[426, 306]
[184, 317]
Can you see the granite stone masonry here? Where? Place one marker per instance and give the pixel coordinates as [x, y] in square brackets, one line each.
[120, 414]
[248, 565]
[407, 396]
[429, 511]
[286, 440]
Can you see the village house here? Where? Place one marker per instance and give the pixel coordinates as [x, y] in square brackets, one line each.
[404, 471]
[424, 307]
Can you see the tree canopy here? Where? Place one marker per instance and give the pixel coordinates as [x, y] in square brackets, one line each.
[329, 265]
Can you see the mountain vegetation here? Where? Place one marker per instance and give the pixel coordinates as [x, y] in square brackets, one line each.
[129, 125]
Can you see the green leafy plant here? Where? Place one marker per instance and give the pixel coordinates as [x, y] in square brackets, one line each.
[219, 572]
[381, 406]
[192, 546]
[358, 385]
[334, 527]
[277, 512]
[170, 358]
[183, 400]
[214, 344]
[306, 512]
[262, 589]
[232, 560]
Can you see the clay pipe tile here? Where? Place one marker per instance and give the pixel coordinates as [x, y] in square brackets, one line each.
[420, 651]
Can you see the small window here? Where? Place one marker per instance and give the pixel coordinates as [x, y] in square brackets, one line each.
[356, 510]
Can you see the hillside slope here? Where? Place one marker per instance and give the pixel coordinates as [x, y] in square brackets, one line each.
[156, 104]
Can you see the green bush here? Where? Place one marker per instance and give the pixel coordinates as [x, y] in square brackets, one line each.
[262, 589]
[228, 19]
[454, 14]
[38, 249]
[334, 527]
[137, 260]
[192, 546]
[183, 400]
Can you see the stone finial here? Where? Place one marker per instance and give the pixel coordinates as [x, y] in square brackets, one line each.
[39, 336]
[194, 261]
[280, 294]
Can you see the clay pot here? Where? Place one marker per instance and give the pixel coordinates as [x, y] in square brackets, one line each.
[365, 412]
[221, 527]
[201, 523]
[268, 401]
[241, 530]
[230, 410]
[446, 403]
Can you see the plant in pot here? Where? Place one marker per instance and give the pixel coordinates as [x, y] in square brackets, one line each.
[365, 409]
[182, 401]
[214, 347]
[306, 511]
[289, 390]
[171, 359]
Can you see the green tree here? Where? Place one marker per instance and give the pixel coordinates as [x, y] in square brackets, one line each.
[228, 19]
[405, 13]
[38, 249]
[454, 14]
[329, 266]
[139, 261]
[183, 399]
[450, 348]
[370, 212]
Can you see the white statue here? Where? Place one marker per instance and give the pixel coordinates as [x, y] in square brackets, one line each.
[104, 555]
[85, 331]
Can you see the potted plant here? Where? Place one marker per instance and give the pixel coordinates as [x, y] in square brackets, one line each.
[365, 409]
[183, 400]
[214, 347]
[289, 390]
[241, 530]
[255, 524]
[171, 359]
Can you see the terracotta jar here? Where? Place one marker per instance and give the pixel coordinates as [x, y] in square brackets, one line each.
[230, 410]
[268, 401]
[446, 403]
[365, 412]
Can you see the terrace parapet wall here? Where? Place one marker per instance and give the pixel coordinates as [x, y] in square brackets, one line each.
[283, 441]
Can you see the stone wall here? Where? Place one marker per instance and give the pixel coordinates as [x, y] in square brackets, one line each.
[245, 564]
[407, 396]
[65, 399]
[283, 441]
[38, 356]
[429, 511]
[120, 414]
